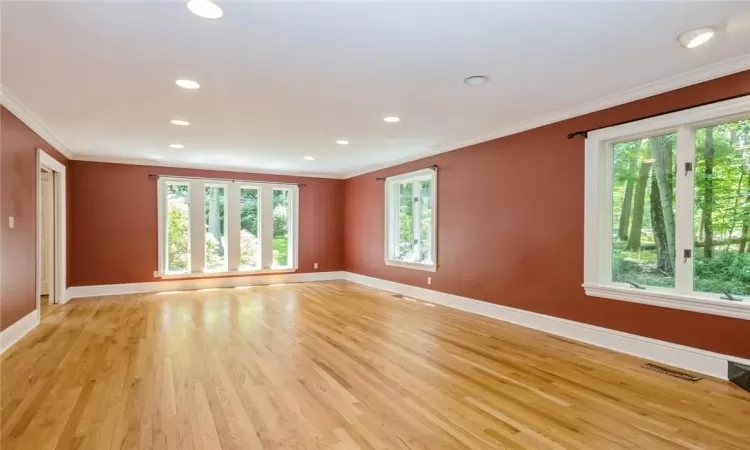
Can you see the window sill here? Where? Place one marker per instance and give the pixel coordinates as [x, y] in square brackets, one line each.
[234, 273]
[666, 299]
[410, 265]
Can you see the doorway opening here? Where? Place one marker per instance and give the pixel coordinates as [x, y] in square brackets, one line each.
[50, 228]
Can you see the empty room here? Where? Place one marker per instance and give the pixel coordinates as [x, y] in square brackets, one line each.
[374, 225]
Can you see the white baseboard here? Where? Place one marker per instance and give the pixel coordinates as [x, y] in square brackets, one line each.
[13, 333]
[693, 359]
[198, 283]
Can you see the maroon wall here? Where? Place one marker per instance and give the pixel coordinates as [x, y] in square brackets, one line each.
[113, 210]
[510, 227]
[18, 246]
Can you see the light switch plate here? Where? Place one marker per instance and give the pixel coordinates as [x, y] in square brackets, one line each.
[11, 222]
[315, 265]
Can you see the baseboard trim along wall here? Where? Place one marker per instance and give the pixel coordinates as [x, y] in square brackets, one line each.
[198, 283]
[689, 358]
[13, 333]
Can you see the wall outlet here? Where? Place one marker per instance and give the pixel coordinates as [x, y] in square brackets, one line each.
[156, 274]
[429, 281]
[315, 265]
[11, 222]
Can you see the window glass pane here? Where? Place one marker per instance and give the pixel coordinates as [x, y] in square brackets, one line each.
[216, 236]
[405, 244]
[249, 239]
[643, 204]
[178, 228]
[281, 228]
[722, 209]
[425, 229]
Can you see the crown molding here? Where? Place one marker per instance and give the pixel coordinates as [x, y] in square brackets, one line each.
[25, 115]
[218, 168]
[672, 83]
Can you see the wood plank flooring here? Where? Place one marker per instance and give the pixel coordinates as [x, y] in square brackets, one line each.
[341, 366]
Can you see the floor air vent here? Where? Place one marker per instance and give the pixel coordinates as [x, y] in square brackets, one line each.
[672, 372]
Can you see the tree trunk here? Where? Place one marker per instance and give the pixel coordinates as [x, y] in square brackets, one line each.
[661, 150]
[660, 233]
[627, 201]
[743, 238]
[708, 195]
[634, 241]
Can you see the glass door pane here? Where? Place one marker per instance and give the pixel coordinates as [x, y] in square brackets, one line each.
[177, 229]
[281, 228]
[216, 234]
[249, 239]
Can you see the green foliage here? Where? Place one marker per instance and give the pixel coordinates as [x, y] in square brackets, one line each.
[727, 271]
[280, 252]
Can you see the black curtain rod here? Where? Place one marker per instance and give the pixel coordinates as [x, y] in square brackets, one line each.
[585, 133]
[433, 167]
[232, 180]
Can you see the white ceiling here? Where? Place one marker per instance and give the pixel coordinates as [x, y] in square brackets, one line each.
[280, 81]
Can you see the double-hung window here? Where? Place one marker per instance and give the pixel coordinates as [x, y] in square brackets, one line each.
[410, 225]
[209, 227]
[667, 212]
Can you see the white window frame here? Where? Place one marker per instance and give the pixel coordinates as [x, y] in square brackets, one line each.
[598, 209]
[391, 235]
[196, 194]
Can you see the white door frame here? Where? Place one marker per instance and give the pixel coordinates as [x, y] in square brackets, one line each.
[57, 292]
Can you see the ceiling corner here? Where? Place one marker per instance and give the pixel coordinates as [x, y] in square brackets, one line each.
[25, 115]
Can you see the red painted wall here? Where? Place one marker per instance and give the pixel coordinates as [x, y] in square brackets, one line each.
[113, 209]
[510, 227]
[18, 246]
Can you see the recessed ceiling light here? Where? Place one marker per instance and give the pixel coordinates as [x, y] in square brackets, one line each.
[187, 84]
[176, 146]
[476, 80]
[179, 122]
[342, 142]
[205, 8]
[391, 119]
[309, 158]
[694, 38]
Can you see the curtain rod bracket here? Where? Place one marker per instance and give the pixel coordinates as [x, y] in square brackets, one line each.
[585, 134]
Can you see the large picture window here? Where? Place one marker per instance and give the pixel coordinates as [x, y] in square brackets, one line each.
[219, 227]
[410, 220]
[668, 210]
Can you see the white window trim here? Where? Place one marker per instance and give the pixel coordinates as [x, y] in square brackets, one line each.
[391, 223]
[196, 193]
[598, 210]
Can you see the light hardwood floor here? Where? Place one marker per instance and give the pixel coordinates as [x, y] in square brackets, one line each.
[336, 365]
